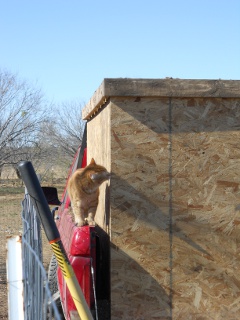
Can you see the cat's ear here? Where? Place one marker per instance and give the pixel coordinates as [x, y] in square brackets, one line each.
[92, 161]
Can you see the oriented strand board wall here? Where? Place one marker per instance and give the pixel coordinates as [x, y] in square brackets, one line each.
[175, 208]
[175, 205]
[140, 276]
[98, 144]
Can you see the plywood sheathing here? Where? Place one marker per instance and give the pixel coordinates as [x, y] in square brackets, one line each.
[175, 203]
[99, 148]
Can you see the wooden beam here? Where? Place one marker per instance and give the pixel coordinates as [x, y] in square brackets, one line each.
[125, 87]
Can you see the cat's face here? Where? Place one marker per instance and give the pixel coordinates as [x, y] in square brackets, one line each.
[98, 174]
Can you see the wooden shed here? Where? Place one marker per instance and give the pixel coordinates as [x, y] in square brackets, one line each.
[172, 207]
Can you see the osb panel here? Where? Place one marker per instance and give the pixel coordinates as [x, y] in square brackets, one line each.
[139, 210]
[135, 293]
[98, 144]
[175, 204]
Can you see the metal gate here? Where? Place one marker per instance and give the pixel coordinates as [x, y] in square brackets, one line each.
[38, 304]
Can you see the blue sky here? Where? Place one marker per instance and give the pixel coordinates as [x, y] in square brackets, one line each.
[68, 47]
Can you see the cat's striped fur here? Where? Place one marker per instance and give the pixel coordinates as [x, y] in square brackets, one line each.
[83, 190]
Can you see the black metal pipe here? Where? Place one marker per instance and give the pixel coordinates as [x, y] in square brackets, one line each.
[38, 199]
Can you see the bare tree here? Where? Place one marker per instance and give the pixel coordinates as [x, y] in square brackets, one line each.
[22, 112]
[66, 131]
[30, 129]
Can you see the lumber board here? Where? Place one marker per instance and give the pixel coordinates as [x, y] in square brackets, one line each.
[168, 87]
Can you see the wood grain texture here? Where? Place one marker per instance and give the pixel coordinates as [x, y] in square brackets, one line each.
[174, 204]
[98, 146]
[159, 88]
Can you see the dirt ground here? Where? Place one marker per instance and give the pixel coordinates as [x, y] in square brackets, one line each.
[10, 225]
[11, 196]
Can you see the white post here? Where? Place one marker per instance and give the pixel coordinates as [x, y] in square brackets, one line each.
[15, 279]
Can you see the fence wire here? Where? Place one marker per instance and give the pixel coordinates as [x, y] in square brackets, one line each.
[38, 303]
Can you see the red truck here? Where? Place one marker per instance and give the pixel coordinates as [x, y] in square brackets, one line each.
[87, 248]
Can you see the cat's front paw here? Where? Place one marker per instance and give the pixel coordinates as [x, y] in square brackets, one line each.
[80, 223]
[92, 223]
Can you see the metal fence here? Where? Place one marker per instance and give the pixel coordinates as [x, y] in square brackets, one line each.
[38, 303]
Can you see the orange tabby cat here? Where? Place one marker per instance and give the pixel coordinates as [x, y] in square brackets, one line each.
[83, 190]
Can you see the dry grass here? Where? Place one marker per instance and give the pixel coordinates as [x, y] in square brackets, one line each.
[11, 196]
[10, 225]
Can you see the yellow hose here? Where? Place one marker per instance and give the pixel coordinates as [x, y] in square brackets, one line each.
[71, 281]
